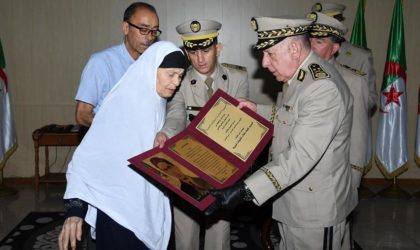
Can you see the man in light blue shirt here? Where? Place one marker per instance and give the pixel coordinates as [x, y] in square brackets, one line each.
[105, 68]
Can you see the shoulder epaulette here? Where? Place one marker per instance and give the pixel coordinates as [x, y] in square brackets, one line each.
[356, 49]
[318, 72]
[354, 71]
[234, 66]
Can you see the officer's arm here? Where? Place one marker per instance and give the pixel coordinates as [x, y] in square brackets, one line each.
[176, 115]
[243, 91]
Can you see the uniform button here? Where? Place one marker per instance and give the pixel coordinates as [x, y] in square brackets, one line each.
[310, 189]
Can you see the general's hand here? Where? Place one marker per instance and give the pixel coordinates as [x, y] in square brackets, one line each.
[160, 140]
[245, 103]
[70, 232]
[228, 198]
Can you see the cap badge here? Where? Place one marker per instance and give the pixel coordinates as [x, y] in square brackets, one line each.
[312, 16]
[254, 24]
[318, 7]
[195, 26]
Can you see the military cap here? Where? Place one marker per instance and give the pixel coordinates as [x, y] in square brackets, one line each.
[324, 26]
[198, 34]
[272, 30]
[330, 9]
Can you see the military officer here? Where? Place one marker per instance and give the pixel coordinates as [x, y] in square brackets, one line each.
[327, 33]
[358, 58]
[203, 77]
[351, 55]
[309, 175]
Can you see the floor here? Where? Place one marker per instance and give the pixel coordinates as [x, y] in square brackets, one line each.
[380, 223]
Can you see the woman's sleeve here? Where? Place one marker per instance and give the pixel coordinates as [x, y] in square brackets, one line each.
[75, 207]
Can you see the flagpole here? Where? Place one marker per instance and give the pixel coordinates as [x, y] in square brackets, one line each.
[394, 192]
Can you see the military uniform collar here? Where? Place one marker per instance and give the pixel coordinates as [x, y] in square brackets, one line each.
[300, 72]
[203, 77]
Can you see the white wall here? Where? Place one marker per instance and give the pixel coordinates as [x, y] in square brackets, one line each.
[47, 43]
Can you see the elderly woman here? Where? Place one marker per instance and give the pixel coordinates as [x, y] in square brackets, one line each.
[124, 210]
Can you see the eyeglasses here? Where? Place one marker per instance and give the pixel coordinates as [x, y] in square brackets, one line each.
[146, 31]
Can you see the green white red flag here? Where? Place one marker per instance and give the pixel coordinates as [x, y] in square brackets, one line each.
[8, 141]
[391, 140]
[358, 33]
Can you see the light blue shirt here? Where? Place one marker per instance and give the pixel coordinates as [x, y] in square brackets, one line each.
[103, 70]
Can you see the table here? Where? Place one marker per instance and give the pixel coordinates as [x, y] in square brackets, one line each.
[53, 135]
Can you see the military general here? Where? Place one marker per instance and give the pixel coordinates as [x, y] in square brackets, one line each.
[327, 35]
[309, 176]
[357, 58]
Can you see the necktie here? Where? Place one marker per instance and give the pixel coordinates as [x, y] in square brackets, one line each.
[209, 82]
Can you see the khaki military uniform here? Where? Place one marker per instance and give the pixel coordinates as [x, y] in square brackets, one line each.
[360, 127]
[309, 170]
[185, 104]
[362, 60]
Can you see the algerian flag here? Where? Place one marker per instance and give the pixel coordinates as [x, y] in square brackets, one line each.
[417, 156]
[358, 34]
[391, 142]
[8, 142]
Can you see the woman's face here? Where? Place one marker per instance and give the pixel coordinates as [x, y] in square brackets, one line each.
[167, 80]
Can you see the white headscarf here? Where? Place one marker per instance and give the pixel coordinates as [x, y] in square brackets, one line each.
[125, 125]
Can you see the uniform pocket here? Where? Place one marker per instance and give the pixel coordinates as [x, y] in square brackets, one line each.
[284, 122]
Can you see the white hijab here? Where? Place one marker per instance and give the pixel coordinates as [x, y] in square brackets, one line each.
[125, 125]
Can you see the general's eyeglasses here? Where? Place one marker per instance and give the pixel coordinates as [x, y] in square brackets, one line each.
[146, 31]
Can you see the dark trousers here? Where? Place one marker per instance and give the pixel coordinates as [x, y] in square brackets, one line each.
[112, 236]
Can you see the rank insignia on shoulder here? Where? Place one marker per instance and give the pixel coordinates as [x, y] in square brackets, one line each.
[234, 66]
[301, 75]
[355, 71]
[318, 72]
